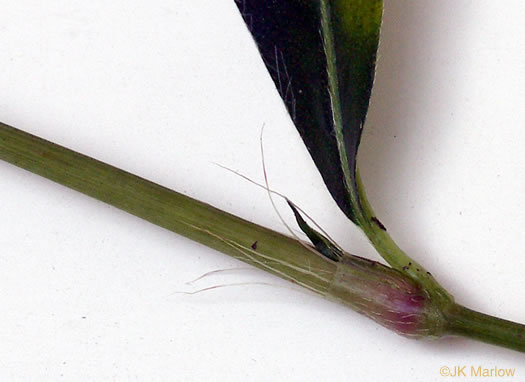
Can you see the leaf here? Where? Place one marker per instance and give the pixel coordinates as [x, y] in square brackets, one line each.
[320, 242]
[321, 56]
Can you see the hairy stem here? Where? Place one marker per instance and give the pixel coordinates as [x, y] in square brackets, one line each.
[256, 245]
[387, 295]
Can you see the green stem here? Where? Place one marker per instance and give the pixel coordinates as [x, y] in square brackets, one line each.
[468, 323]
[251, 243]
[458, 319]
[395, 256]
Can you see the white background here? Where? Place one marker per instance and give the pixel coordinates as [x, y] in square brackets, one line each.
[166, 88]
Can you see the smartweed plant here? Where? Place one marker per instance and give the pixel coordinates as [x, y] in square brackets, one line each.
[321, 56]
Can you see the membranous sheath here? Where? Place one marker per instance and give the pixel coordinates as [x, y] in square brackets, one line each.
[381, 293]
[387, 296]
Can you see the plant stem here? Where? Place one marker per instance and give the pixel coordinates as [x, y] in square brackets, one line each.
[468, 323]
[395, 256]
[251, 243]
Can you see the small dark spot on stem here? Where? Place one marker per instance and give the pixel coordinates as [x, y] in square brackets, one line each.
[410, 264]
[405, 268]
[378, 223]
[428, 273]
[418, 269]
[254, 245]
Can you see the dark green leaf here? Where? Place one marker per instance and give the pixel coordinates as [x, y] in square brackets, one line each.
[321, 243]
[321, 56]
